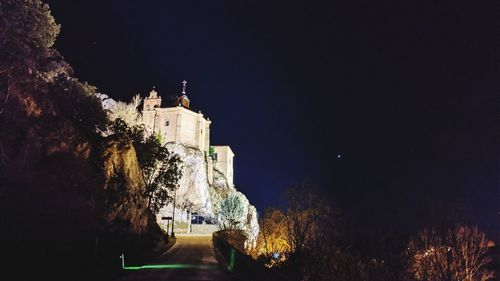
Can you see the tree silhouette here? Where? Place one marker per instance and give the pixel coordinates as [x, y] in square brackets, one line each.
[459, 254]
[160, 168]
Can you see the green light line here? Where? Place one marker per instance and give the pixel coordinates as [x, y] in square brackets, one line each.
[165, 266]
[232, 260]
[172, 266]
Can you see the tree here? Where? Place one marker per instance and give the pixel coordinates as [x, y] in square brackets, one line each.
[308, 242]
[27, 33]
[34, 77]
[233, 211]
[459, 254]
[311, 232]
[50, 125]
[273, 237]
[161, 169]
[128, 112]
[303, 200]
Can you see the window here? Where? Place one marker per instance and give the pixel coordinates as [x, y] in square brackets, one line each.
[167, 123]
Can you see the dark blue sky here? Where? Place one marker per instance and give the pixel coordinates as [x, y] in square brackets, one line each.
[406, 92]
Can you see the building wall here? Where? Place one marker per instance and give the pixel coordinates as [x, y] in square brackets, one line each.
[178, 124]
[207, 135]
[210, 169]
[181, 125]
[224, 162]
[151, 103]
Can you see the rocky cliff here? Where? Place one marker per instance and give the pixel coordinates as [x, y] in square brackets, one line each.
[197, 195]
[193, 193]
[124, 187]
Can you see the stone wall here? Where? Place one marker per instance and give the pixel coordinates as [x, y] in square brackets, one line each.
[178, 124]
[203, 228]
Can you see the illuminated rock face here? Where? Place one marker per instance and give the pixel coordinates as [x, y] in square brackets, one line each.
[251, 227]
[219, 190]
[106, 102]
[196, 195]
[120, 161]
[193, 193]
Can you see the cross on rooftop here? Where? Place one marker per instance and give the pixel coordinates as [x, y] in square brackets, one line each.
[184, 87]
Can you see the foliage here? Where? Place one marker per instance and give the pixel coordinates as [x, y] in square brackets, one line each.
[311, 232]
[50, 156]
[87, 117]
[27, 33]
[306, 241]
[459, 254]
[233, 211]
[134, 133]
[235, 237]
[128, 112]
[211, 153]
[34, 78]
[161, 169]
[273, 246]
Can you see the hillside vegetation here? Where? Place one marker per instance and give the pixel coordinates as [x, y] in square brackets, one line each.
[71, 190]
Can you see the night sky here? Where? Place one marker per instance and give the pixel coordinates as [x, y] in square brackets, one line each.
[405, 91]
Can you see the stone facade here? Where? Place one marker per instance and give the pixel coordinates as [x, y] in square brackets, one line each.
[176, 124]
[224, 162]
[207, 175]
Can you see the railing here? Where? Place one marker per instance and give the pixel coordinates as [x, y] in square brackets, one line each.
[242, 265]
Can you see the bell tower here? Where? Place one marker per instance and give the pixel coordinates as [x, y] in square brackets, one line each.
[183, 100]
[151, 102]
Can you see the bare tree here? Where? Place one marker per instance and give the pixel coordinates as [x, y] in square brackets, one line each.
[318, 250]
[273, 237]
[459, 254]
[299, 216]
[311, 232]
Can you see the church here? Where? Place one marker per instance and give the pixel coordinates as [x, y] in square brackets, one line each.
[177, 123]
